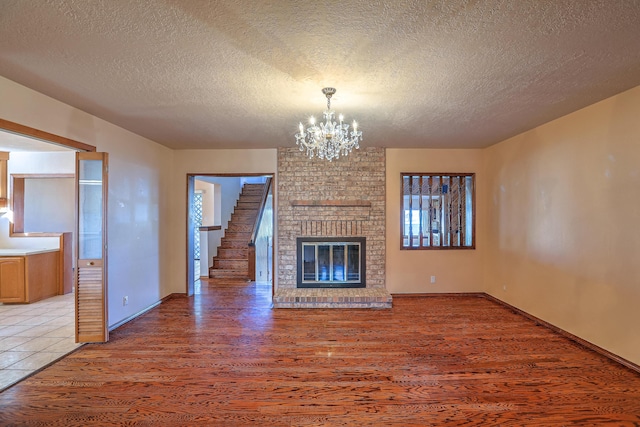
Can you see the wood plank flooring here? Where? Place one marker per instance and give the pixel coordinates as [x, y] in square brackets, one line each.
[226, 358]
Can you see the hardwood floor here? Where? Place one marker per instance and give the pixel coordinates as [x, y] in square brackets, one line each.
[224, 357]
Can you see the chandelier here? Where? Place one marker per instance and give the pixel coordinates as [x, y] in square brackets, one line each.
[328, 140]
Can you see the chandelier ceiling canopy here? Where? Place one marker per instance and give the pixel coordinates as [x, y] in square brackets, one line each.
[331, 139]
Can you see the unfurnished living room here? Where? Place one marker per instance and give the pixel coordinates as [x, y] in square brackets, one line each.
[319, 213]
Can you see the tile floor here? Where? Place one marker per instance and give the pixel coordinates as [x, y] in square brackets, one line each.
[34, 335]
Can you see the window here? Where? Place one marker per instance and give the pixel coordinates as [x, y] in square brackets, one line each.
[438, 211]
[197, 219]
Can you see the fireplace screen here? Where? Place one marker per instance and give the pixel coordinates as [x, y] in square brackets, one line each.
[331, 262]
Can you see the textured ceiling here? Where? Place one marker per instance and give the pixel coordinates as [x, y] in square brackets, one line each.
[243, 73]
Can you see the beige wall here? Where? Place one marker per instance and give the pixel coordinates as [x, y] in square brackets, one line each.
[139, 252]
[409, 271]
[563, 241]
[205, 162]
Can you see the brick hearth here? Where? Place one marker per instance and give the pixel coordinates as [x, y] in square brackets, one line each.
[333, 298]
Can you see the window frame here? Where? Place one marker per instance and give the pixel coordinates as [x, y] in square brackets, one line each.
[442, 175]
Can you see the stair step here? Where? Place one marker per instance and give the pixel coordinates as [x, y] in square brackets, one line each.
[243, 214]
[234, 243]
[222, 274]
[231, 264]
[237, 235]
[240, 227]
[252, 206]
[232, 253]
[243, 219]
[251, 197]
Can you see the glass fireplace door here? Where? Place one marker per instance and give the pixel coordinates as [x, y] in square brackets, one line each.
[331, 264]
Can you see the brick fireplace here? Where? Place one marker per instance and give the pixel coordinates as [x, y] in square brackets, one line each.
[328, 201]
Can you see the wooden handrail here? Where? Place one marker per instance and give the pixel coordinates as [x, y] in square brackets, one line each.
[263, 201]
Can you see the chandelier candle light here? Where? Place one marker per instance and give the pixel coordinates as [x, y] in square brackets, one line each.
[328, 140]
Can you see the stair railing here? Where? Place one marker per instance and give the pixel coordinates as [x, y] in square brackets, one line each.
[255, 229]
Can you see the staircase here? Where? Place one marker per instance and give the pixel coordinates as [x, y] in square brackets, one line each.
[232, 260]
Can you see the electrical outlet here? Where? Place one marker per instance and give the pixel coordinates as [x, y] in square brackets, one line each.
[433, 279]
[125, 300]
[504, 287]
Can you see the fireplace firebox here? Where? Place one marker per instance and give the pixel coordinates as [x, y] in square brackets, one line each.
[331, 262]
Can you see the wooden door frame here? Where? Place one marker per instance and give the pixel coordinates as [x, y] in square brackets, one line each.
[41, 135]
[33, 133]
[191, 278]
[189, 231]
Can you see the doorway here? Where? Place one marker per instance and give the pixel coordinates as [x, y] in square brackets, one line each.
[38, 160]
[214, 205]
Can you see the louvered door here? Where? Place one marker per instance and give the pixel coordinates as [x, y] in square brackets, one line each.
[91, 247]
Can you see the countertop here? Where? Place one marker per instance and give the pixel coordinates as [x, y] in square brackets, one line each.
[25, 252]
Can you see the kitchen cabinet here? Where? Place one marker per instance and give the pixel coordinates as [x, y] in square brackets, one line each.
[28, 275]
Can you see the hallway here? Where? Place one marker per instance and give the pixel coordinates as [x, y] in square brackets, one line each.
[225, 357]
